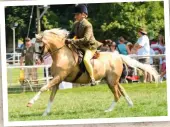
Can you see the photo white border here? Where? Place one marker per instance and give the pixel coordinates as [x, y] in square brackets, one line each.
[75, 121]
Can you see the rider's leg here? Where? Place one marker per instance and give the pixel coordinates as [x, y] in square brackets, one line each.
[87, 57]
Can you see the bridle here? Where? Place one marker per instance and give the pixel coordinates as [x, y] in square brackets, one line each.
[42, 48]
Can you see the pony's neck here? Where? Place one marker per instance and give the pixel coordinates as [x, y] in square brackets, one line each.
[57, 49]
[56, 45]
[64, 56]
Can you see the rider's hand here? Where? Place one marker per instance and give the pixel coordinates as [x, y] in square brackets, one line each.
[68, 41]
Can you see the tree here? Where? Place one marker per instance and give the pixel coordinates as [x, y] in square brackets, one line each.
[123, 19]
[21, 15]
[59, 16]
[109, 20]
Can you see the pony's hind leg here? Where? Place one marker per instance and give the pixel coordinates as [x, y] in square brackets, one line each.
[113, 85]
[53, 93]
[123, 92]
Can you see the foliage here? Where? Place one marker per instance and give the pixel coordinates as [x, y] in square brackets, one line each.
[110, 20]
[59, 16]
[50, 20]
[123, 19]
[21, 15]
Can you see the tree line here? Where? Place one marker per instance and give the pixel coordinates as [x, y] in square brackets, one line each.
[109, 20]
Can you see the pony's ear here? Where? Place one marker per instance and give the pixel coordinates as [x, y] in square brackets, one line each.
[38, 36]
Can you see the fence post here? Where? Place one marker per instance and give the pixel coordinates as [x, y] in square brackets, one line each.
[18, 58]
[13, 58]
[47, 76]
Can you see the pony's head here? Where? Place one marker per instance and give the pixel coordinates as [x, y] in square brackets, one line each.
[50, 40]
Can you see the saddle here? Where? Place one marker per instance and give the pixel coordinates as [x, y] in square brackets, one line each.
[81, 64]
[81, 54]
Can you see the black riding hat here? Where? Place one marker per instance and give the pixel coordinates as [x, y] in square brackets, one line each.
[81, 8]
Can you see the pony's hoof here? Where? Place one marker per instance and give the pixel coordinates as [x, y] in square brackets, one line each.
[29, 105]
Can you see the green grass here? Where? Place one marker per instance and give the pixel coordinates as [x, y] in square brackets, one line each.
[90, 102]
[13, 76]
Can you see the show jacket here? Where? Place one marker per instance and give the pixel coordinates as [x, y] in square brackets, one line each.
[84, 35]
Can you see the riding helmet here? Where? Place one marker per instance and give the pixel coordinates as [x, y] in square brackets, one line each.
[81, 8]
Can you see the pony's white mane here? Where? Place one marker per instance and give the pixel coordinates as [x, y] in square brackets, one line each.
[58, 31]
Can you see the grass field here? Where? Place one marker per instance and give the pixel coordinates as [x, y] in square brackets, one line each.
[13, 76]
[90, 102]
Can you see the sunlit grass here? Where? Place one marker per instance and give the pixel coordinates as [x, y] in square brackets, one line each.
[90, 102]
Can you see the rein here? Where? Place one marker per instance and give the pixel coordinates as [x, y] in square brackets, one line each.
[46, 54]
[56, 50]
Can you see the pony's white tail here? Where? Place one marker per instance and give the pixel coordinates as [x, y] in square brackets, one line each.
[146, 67]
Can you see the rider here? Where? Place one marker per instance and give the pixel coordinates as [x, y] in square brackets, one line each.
[85, 40]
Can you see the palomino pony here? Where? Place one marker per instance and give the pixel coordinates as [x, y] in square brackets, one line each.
[65, 67]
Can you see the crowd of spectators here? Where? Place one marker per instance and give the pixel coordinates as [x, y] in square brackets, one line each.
[145, 47]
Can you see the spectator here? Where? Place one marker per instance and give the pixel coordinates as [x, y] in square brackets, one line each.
[143, 48]
[130, 46]
[163, 73]
[122, 47]
[163, 68]
[112, 47]
[28, 54]
[104, 48]
[133, 51]
[159, 46]
[161, 43]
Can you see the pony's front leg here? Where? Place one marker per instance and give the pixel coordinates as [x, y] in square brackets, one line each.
[53, 93]
[56, 80]
[36, 97]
